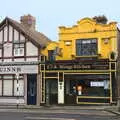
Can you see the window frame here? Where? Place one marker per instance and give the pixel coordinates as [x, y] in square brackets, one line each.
[51, 55]
[80, 44]
[17, 48]
[12, 78]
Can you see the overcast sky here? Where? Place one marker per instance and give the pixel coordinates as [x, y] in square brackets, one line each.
[50, 14]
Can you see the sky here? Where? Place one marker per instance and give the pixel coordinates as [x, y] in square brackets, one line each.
[50, 14]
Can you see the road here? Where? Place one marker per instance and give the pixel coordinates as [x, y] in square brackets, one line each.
[56, 115]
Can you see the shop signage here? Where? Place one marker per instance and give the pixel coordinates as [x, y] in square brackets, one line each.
[18, 69]
[77, 67]
[96, 84]
[68, 67]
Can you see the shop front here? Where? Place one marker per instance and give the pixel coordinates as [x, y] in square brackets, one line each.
[78, 82]
[83, 88]
[18, 83]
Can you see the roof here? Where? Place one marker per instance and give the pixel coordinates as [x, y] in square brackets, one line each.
[37, 37]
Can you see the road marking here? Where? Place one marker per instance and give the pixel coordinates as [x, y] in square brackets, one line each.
[46, 118]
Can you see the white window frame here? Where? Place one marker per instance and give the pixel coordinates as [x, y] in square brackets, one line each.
[19, 49]
[7, 87]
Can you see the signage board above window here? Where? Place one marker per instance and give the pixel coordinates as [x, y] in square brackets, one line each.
[78, 66]
[96, 84]
[18, 69]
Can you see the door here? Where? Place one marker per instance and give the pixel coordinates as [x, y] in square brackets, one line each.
[31, 89]
[51, 92]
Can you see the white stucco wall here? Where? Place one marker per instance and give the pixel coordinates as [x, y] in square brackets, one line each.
[10, 33]
[5, 33]
[7, 49]
[31, 50]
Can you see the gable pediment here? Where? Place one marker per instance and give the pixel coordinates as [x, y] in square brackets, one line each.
[86, 25]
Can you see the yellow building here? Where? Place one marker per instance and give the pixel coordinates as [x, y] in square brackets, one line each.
[81, 67]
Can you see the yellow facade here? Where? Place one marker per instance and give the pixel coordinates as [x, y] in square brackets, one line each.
[50, 46]
[105, 34]
[77, 42]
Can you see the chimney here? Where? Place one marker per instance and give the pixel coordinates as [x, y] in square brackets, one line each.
[28, 21]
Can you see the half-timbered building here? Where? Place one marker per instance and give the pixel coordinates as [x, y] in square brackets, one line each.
[20, 46]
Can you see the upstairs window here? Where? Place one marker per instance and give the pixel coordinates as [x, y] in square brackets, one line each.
[51, 55]
[86, 47]
[19, 49]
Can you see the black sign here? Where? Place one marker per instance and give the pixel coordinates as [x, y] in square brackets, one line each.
[91, 66]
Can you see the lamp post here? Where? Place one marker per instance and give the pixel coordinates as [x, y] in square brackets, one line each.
[17, 76]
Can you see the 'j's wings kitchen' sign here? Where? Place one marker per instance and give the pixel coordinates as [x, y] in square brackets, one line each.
[18, 69]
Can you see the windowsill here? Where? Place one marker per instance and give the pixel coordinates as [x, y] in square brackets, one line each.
[11, 96]
[87, 56]
[19, 56]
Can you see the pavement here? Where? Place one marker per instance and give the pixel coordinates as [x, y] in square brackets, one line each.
[57, 107]
[113, 109]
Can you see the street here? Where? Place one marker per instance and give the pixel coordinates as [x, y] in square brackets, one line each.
[46, 114]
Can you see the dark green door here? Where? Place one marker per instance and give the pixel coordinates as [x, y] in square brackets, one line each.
[51, 92]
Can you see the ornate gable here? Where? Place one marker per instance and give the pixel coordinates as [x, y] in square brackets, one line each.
[87, 25]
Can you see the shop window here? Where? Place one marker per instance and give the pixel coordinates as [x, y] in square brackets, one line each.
[88, 85]
[7, 87]
[19, 49]
[20, 92]
[86, 47]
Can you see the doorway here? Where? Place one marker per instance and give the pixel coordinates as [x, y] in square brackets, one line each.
[51, 92]
[31, 89]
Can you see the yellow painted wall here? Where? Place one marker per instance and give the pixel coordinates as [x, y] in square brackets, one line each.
[85, 29]
[50, 46]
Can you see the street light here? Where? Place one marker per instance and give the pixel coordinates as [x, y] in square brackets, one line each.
[17, 76]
